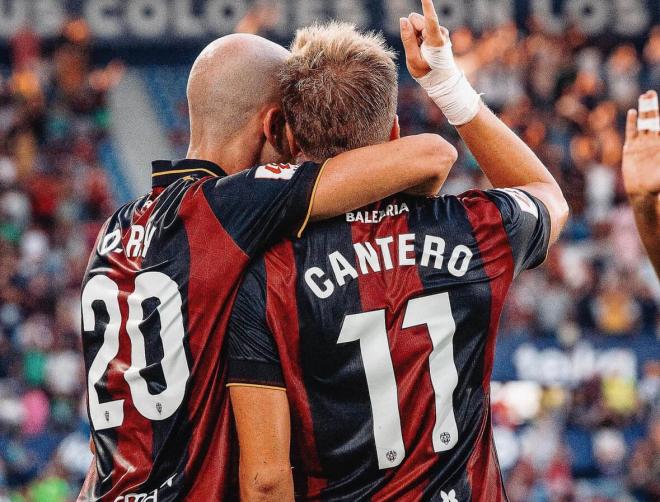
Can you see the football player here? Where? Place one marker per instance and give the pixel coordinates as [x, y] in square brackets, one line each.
[371, 338]
[165, 269]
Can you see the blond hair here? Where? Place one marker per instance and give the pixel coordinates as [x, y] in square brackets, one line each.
[339, 89]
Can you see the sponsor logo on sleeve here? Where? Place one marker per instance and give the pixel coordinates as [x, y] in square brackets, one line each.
[276, 171]
[523, 200]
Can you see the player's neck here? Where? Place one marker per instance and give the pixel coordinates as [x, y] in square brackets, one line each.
[303, 157]
[229, 160]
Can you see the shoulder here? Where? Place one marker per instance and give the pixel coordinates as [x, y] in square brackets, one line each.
[276, 171]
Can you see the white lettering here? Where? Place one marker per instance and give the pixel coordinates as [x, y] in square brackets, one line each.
[455, 256]
[329, 288]
[341, 268]
[135, 241]
[591, 16]
[185, 22]
[151, 230]
[110, 242]
[406, 246]
[222, 15]
[103, 18]
[147, 18]
[371, 258]
[433, 246]
[376, 216]
[384, 244]
[367, 256]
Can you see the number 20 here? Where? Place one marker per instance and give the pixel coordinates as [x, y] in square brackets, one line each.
[369, 329]
[174, 363]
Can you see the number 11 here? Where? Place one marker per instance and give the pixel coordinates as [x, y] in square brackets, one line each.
[369, 329]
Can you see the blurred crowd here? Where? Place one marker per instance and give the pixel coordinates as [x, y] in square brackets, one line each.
[54, 197]
[596, 440]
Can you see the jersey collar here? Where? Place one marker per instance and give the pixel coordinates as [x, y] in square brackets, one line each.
[165, 172]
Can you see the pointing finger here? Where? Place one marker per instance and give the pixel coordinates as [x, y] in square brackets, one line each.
[431, 22]
[429, 11]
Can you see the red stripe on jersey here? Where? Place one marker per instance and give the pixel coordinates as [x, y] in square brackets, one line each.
[133, 455]
[282, 316]
[391, 289]
[213, 254]
[497, 261]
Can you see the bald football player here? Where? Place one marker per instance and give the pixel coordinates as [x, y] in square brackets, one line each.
[162, 278]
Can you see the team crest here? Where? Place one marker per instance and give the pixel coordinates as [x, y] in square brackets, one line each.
[449, 497]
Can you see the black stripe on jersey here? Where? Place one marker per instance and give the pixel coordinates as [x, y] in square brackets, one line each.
[446, 218]
[251, 362]
[345, 395]
[170, 437]
[269, 199]
[529, 251]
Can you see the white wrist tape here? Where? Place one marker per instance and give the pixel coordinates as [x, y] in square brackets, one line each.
[447, 86]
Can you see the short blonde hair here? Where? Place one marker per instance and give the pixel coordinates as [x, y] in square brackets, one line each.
[339, 89]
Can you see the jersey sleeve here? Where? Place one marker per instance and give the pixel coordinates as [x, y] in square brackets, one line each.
[253, 355]
[527, 223]
[261, 205]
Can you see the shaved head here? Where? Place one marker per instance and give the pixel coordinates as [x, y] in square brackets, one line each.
[232, 84]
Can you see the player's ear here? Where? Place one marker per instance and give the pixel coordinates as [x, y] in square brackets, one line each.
[274, 129]
[396, 130]
[293, 144]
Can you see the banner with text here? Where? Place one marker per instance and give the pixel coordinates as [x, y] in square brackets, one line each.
[175, 21]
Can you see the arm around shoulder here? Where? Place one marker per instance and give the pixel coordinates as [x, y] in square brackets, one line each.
[365, 175]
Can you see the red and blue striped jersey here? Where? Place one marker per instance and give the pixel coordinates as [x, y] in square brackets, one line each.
[381, 325]
[156, 301]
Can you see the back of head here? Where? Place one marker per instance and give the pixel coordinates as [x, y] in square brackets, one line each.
[339, 89]
[231, 82]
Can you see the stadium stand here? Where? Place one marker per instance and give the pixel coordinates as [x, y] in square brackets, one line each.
[54, 196]
[577, 398]
[167, 89]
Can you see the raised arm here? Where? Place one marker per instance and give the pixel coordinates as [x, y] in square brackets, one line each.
[504, 158]
[508, 162]
[641, 172]
[359, 177]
